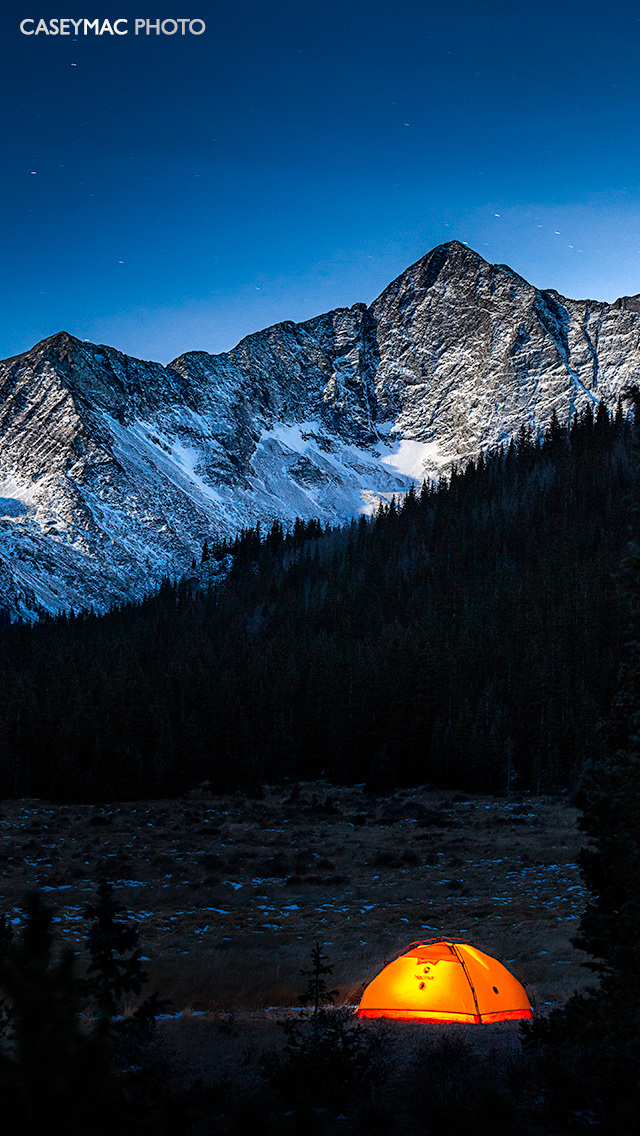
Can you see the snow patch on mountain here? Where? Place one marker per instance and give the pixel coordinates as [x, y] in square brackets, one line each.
[420, 461]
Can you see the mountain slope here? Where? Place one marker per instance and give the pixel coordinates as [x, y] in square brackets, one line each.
[114, 470]
[469, 639]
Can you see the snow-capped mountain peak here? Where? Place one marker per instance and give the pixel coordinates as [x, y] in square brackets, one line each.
[113, 471]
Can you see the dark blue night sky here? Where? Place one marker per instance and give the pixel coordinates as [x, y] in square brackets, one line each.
[297, 156]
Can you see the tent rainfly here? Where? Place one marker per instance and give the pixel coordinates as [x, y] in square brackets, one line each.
[445, 980]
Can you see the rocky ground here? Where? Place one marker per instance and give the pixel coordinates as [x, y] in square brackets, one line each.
[229, 894]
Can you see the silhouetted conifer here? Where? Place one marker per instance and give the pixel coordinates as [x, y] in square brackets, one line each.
[326, 1061]
[115, 967]
[317, 991]
[591, 1048]
[53, 1072]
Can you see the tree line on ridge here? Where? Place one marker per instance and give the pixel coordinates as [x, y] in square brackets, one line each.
[468, 637]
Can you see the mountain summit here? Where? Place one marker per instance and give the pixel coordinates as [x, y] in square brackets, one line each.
[113, 470]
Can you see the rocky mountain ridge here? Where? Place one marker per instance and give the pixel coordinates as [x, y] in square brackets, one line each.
[114, 470]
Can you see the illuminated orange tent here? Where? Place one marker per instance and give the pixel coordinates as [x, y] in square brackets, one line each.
[445, 980]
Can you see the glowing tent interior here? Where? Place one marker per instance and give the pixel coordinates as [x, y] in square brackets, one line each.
[445, 980]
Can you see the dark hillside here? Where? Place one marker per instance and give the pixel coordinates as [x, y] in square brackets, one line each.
[469, 639]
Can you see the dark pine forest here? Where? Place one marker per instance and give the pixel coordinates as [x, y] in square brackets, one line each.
[469, 638]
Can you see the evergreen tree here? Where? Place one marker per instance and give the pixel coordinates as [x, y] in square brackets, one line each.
[317, 991]
[53, 1073]
[329, 1064]
[591, 1048]
[113, 971]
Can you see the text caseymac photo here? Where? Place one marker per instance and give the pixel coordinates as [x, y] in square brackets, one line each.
[116, 27]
